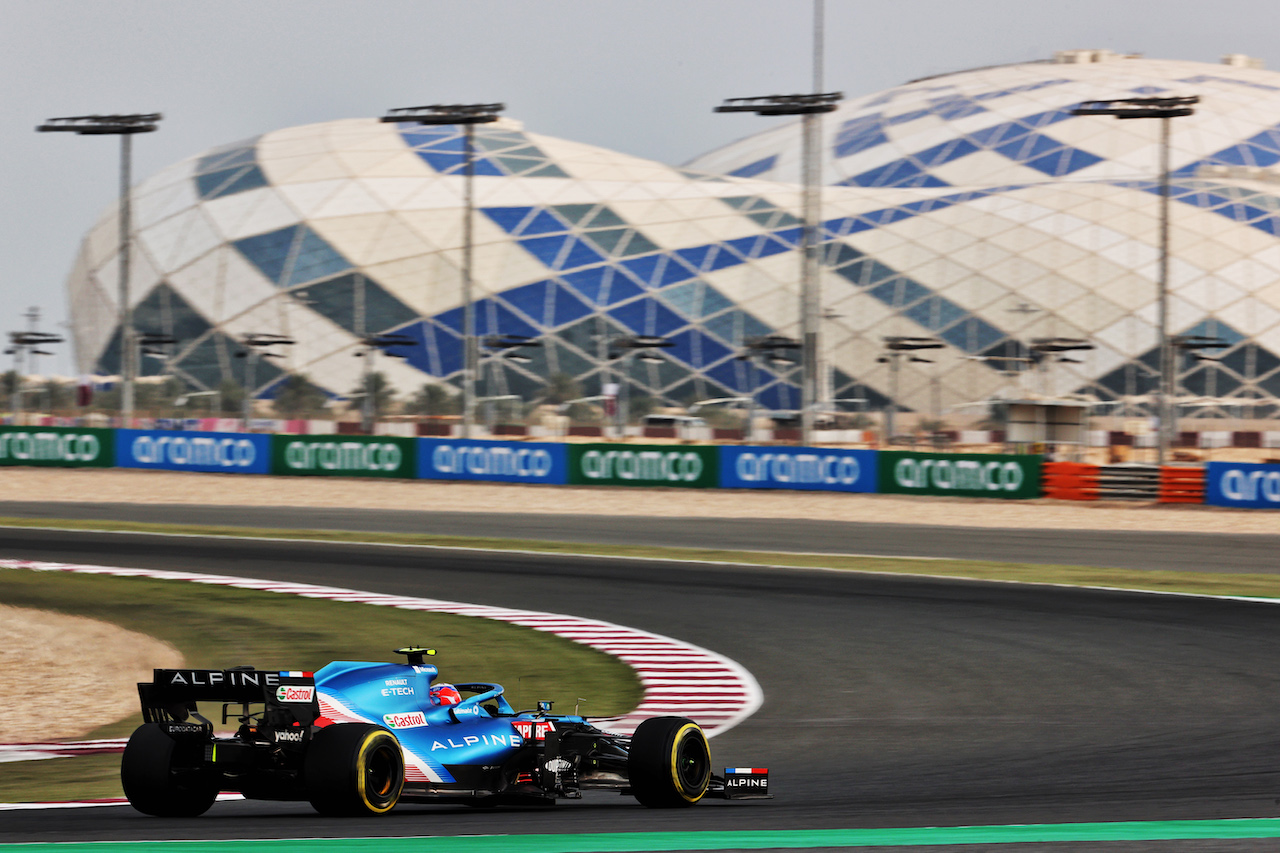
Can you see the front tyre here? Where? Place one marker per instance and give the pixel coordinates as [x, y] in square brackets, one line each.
[164, 777]
[353, 769]
[669, 764]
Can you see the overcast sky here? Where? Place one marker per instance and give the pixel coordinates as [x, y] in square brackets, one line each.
[639, 76]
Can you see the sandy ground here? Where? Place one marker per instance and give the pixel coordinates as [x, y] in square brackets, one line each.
[45, 698]
[116, 485]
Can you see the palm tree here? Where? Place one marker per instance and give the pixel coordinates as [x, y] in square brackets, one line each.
[230, 397]
[377, 386]
[434, 398]
[561, 388]
[298, 398]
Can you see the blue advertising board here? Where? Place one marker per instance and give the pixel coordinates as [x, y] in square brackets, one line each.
[494, 461]
[1242, 484]
[807, 468]
[218, 452]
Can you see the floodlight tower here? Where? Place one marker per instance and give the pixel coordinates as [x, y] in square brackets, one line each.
[124, 126]
[370, 345]
[25, 344]
[809, 108]
[256, 345]
[642, 347]
[500, 348]
[896, 347]
[773, 350]
[1163, 109]
[467, 115]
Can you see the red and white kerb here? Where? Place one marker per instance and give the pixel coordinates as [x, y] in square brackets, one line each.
[678, 678]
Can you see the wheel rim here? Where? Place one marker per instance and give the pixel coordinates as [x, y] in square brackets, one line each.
[380, 773]
[693, 764]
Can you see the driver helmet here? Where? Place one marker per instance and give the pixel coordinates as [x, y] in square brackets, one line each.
[445, 694]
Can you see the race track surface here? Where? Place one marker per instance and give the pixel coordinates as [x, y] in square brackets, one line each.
[888, 701]
[1129, 549]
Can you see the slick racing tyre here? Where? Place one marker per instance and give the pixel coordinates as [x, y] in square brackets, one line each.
[670, 763]
[353, 769]
[165, 777]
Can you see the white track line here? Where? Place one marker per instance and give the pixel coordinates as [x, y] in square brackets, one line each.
[678, 678]
[85, 804]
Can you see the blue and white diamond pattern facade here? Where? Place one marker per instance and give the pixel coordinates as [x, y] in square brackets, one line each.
[972, 207]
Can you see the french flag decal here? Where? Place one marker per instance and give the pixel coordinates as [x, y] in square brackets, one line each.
[746, 783]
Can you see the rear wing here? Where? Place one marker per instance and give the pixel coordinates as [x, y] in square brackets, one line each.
[173, 694]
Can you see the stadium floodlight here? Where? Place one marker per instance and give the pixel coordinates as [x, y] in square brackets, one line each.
[1192, 345]
[25, 345]
[124, 126]
[103, 125]
[1171, 107]
[1164, 109]
[499, 348]
[809, 107]
[774, 350]
[619, 349]
[257, 346]
[371, 344]
[155, 346]
[468, 116]
[896, 347]
[1060, 345]
[783, 105]
[215, 400]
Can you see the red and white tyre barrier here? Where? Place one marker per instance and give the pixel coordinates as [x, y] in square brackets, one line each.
[677, 678]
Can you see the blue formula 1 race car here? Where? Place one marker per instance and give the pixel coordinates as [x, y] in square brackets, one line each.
[356, 738]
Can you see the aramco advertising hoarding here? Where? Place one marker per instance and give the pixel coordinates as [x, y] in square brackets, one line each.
[57, 447]
[492, 461]
[343, 456]
[682, 466]
[1242, 484]
[211, 452]
[802, 468]
[973, 475]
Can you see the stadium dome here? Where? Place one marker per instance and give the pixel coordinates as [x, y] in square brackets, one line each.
[331, 232]
[972, 207]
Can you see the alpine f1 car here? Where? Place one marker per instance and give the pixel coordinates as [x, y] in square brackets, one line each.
[356, 738]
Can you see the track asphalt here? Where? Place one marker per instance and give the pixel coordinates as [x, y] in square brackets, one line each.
[890, 703]
[1208, 552]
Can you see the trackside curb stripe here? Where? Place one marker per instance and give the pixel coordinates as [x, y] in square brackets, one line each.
[677, 693]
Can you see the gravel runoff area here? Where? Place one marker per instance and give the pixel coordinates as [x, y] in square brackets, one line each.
[163, 487]
[44, 699]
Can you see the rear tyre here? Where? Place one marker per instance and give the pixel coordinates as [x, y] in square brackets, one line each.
[164, 777]
[670, 763]
[353, 769]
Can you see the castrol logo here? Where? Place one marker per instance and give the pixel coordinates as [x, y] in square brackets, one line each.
[295, 693]
[412, 720]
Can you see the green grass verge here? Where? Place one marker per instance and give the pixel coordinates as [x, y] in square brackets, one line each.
[219, 627]
[1199, 583]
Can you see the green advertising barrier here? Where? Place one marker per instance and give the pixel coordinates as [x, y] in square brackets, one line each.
[644, 465]
[344, 456]
[60, 447]
[970, 475]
